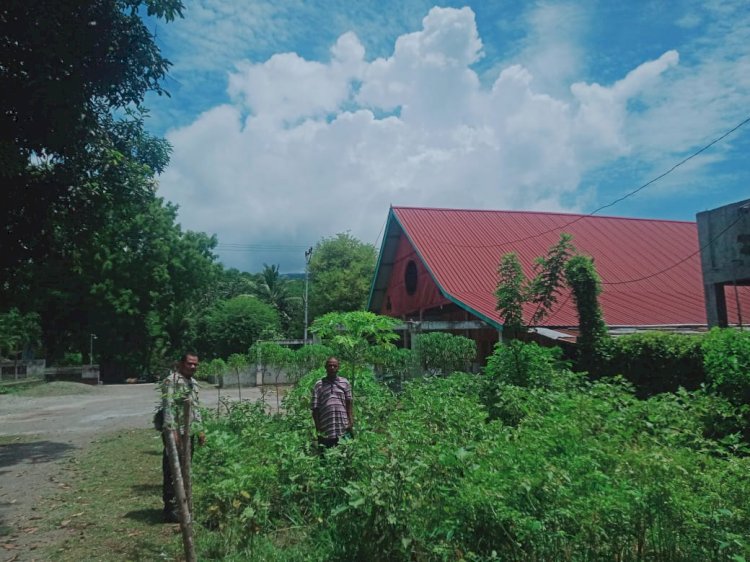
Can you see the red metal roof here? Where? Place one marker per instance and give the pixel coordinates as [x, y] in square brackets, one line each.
[650, 269]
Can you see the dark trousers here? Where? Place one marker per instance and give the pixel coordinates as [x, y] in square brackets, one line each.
[167, 488]
[328, 443]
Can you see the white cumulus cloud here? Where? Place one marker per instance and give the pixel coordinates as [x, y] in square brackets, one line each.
[310, 148]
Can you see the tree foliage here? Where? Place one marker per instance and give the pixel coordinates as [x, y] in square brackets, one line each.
[514, 289]
[271, 287]
[73, 77]
[144, 272]
[561, 267]
[352, 335]
[18, 331]
[511, 295]
[726, 358]
[230, 283]
[233, 325]
[549, 277]
[441, 353]
[584, 281]
[86, 242]
[341, 270]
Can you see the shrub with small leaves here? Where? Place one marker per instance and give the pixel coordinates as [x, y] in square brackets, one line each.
[726, 359]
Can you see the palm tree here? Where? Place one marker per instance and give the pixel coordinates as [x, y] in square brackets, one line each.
[274, 289]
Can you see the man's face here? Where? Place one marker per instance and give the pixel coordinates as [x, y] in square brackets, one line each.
[189, 366]
[332, 367]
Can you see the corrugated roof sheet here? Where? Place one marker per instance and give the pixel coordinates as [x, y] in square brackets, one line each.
[650, 268]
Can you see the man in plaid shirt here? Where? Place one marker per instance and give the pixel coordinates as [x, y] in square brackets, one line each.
[332, 406]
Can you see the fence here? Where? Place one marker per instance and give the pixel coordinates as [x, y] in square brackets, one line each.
[88, 374]
[22, 370]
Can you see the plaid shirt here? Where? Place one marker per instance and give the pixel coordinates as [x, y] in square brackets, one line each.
[329, 398]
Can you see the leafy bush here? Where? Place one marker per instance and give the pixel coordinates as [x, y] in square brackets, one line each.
[309, 357]
[586, 286]
[216, 368]
[394, 365]
[441, 353]
[71, 359]
[523, 364]
[232, 325]
[353, 335]
[655, 361]
[599, 475]
[726, 358]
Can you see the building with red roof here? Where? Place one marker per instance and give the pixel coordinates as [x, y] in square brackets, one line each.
[438, 270]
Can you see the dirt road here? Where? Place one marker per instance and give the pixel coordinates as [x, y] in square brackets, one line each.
[39, 435]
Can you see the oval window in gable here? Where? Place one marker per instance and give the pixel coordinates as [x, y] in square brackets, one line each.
[410, 278]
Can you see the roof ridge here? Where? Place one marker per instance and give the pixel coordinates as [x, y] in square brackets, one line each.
[555, 213]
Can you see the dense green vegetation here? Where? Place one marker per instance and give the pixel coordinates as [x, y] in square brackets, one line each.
[341, 270]
[526, 461]
[88, 246]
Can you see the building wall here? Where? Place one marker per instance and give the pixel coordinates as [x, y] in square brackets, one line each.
[724, 237]
[398, 302]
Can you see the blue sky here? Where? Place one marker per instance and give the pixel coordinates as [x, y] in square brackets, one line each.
[296, 120]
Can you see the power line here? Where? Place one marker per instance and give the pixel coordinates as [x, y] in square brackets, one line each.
[673, 168]
[382, 228]
[258, 248]
[683, 260]
[245, 246]
[618, 200]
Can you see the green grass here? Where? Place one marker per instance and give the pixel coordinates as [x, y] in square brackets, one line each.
[112, 508]
[8, 439]
[16, 387]
[42, 389]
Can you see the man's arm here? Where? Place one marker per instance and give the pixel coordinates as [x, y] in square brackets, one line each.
[349, 404]
[350, 413]
[316, 419]
[315, 410]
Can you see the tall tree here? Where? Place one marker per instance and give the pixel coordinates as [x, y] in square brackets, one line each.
[341, 270]
[66, 68]
[86, 242]
[550, 276]
[146, 277]
[275, 290]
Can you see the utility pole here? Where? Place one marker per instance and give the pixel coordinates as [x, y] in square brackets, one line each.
[308, 255]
